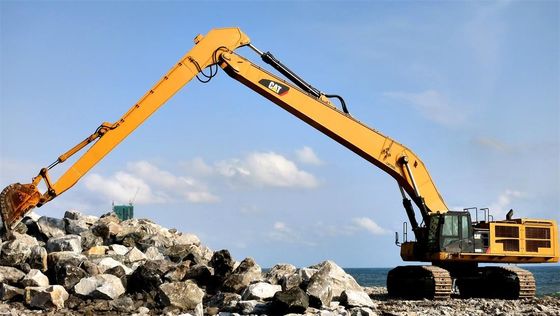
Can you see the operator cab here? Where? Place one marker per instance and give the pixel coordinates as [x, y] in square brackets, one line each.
[451, 232]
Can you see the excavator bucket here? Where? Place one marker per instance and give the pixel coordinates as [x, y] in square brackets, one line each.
[15, 201]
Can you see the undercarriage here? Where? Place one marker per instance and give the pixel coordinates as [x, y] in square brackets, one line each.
[433, 282]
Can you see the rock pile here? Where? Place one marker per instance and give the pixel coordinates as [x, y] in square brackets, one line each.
[84, 265]
[103, 265]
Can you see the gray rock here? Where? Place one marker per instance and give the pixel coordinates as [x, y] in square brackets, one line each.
[107, 263]
[10, 275]
[152, 253]
[184, 295]
[306, 274]
[353, 298]
[291, 281]
[49, 297]
[328, 283]
[89, 240]
[69, 275]
[34, 279]
[134, 255]
[61, 258]
[260, 291]
[186, 239]
[14, 253]
[222, 263]
[278, 272]
[51, 227]
[224, 301]
[246, 273]
[200, 273]
[119, 249]
[65, 243]
[75, 227]
[103, 286]
[178, 272]
[38, 258]
[293, 300]
[73, 215]
[10, 293]
[148, 277]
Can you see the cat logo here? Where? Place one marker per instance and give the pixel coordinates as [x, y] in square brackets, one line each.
[274, 86]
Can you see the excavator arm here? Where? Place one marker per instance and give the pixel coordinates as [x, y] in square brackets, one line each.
[18, 199]
[303, 101]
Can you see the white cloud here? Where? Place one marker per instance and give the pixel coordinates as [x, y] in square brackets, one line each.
[492, 144]
[153, 185]
[433, 105]
[369, 225]
[501, 206]
[281, 232]
[198, 166]
[122, 187]
[266, 169]
[308, 156]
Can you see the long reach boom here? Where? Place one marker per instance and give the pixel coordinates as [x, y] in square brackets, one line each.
[217, 48]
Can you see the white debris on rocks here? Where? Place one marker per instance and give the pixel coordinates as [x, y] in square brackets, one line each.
[104, 286]
[260, 291]
[35, 278]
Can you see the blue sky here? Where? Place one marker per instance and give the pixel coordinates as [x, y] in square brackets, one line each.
[471, 87]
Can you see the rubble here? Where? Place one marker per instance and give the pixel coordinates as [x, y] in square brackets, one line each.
[85, 265]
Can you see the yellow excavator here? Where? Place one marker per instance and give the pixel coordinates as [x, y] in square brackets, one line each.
[451, 241]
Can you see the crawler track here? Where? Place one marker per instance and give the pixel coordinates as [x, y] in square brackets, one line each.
[416, 282]
[507, 282]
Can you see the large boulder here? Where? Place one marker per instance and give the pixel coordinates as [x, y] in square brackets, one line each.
[328, 283]
[69, 275]
[14, 253]
[51, 227]
[293, 300]
[51, 297]
[148, 277]
[63, 267]
[184, 295]
[75, 227]
[222, 263]
[65, 243]
[134, 255]
[352, 298]
[103, 286]
[200, 273]
[89, 240]
[246, 273]
[10, 275]
[107, 263]
[225, 302]
[279, 272]
[35, 278]
[178, 272]
[153, 253]
[76, 215]
[291, 281]
[260, 291]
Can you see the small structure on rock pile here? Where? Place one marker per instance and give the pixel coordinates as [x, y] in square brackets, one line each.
[124, 212]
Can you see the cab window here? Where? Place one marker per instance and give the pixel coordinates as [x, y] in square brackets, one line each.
[451, 226]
